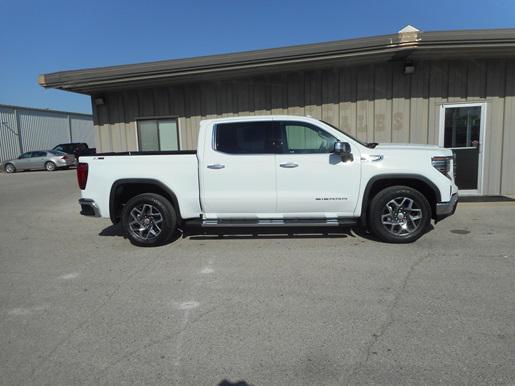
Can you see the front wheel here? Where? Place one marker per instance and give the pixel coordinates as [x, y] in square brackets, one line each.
[149, 220]
[399, 214]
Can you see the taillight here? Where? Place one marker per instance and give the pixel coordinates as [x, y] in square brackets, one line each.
[82, 175]
[65, 157]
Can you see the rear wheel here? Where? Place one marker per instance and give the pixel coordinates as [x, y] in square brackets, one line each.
[50, 166]
[9, 168]
[399, 214]
[149, 220]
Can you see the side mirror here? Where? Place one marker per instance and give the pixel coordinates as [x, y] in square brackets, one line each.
[342, 148]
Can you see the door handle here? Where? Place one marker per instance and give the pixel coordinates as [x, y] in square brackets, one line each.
[289, 165]
[215, 166]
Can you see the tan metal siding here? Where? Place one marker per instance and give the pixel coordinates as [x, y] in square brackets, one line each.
[495, 87]
[508, 151]
[375, 102]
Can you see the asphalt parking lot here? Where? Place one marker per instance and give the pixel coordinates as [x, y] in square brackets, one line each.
[80, 305]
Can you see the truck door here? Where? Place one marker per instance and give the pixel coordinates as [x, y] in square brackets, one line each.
[237, 170]
[312, 181]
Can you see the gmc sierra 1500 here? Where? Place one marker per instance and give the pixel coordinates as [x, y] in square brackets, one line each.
[272, 171]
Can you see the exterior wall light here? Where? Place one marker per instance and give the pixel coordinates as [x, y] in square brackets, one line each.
[99, 101]
[409, 68]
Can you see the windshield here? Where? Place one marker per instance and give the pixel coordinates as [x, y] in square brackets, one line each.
[370, 145]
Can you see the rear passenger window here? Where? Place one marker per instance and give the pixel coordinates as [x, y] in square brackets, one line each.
[245, 137]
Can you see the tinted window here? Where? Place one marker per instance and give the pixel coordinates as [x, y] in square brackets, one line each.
[462, 126]
[245, 138]
[303, 138]
[56, 152]
[25, 155]
[38, 154]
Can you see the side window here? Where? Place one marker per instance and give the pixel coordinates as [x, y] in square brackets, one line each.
[303, 138]
[245, 138]
[38, 154]
[26, 155]
[59, 148]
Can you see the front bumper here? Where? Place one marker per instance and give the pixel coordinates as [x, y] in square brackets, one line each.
[89, 207]
[446, 209]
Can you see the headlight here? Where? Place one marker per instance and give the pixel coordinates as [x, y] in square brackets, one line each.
[442, 164]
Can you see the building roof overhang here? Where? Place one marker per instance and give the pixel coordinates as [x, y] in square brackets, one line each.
[402, 46]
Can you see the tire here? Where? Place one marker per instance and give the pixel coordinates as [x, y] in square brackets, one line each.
[50, 166]
[149, 220]
[399, 214]
[10, 168]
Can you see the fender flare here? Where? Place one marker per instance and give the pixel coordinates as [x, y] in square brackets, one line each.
[141, 181]
[394, 176]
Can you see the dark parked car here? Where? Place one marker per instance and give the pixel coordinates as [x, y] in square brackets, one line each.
[77, 149]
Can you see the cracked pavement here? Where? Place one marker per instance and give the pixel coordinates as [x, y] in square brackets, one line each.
[80, 305]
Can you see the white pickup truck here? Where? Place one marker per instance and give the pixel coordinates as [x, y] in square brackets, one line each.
[271, 171]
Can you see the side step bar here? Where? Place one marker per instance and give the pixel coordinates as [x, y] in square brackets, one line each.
[279, 223]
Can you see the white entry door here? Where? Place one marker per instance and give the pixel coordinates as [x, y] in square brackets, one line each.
[462, 129]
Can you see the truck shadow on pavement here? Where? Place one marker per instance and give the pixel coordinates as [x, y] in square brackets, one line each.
[198, 233]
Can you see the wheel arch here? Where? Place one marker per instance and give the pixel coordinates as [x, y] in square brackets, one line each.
[124, 189]
[415, 181]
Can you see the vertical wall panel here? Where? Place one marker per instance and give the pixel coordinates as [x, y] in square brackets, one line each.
[83, 130]
[508, 152]
[495, 87]
[295, 98]
[9, 142]
[457, 88]
[131, 111]
[365, 103]
[103, 130]
[330, 96]
[279, 94]
[348, 98]
[400, 105]
[313, 93]
[438, 82]
[419, 103]
[243, 97]
[192, 112]
[383, 103]
[208, 100]
[116, 119]
[476, 80]
[43, 130]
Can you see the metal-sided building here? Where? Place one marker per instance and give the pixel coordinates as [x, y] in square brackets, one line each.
[453, 88]
[25, 129]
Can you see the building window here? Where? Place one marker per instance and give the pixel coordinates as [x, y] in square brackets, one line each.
[158, 134]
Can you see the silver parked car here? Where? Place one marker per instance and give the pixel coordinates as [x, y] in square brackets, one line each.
[40, 159]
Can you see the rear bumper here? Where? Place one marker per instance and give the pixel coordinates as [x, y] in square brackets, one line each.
[89, 207]
[446, 209]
